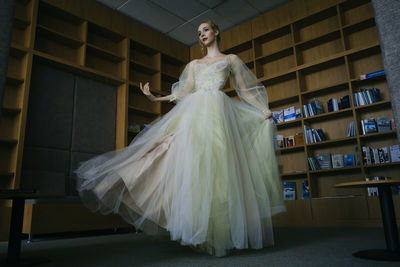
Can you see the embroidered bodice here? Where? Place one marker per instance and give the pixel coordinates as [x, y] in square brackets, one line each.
[211, 76]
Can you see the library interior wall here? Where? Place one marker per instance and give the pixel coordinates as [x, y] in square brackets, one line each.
[6, 20]
[387, 14]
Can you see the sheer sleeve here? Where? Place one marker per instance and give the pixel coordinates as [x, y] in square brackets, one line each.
[247, 87]
[185, 84]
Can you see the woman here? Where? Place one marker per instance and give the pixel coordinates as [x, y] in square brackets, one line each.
[206, 171]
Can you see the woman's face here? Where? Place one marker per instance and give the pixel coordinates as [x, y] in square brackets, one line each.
[206, 34]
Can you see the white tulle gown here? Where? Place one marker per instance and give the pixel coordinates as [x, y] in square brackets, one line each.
[206, 171]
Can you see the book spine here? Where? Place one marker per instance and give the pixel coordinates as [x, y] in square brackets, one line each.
[362, 126]
[356, 99]
[372, 74]
[335, 105]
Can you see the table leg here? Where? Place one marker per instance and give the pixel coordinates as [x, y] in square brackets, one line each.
[14, 243]
[392, 253]
[388, 218]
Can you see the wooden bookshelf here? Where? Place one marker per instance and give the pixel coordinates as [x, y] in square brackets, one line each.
[118, 51]
[318, 49]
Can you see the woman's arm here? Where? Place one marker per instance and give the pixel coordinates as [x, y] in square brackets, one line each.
[146, 90]
[247, 86]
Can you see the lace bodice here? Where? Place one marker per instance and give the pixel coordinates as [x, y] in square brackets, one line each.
[211, 76]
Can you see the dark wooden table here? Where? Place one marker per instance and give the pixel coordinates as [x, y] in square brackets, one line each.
[392, 251]
[18, 198]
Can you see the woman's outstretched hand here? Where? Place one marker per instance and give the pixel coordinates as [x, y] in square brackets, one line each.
[146, 90]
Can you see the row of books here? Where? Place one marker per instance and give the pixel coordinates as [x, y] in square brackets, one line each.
[313, 108]
[367, 96]
[381, 124]
[334, 105]
[351, 130]
[314, 135]
[325, 161]
[289, 141]
[287, 114]
[373, 155]
[289, 190]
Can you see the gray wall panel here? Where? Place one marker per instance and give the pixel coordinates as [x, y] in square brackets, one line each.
[94, 117]
[44, 159]
[387, 17]
[49, 120]
[44, 182]
[70, 119]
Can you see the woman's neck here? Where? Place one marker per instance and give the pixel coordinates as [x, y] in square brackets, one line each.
[213, 50]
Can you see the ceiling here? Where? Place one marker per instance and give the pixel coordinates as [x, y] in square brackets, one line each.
[179, 19]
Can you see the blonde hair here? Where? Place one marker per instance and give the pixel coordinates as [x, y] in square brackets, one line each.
[215, 28]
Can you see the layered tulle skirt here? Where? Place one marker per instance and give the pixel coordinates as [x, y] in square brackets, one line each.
[206, 172]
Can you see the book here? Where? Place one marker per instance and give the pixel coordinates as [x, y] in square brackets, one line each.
[348, 160]
[383, 124]
[357, 156]
[318, 106]
[305, 111]
[333, 105]
[337, 161]
[372, 191]
[299, 139]
[366, 155]
[289, 114]
[305, 190]
[374, 155]
[279, 141]
[372, 74]
[395, 153]
[289, 190]
[376, 94]
[310, 164]
[381, 155]
[369, 126]
[345, 102]
[324, 160]
[298, 113]
[290, 141]
[277, 116]
[351, 131]
[386, 156]
[313, 163]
